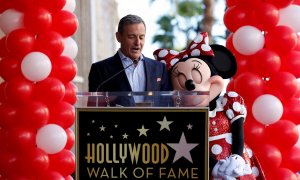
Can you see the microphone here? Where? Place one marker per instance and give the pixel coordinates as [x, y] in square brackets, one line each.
[134, 62]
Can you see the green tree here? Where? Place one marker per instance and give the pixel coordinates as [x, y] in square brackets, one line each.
[186, 17]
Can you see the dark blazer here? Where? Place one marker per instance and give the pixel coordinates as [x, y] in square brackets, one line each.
[156, 75]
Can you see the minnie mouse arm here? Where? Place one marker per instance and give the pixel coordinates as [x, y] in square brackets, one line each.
[236, 112]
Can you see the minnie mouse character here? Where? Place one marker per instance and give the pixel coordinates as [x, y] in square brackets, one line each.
[202, 67]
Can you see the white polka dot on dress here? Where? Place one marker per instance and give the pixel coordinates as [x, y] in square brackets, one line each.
[250, 152]
[193, 46]
[162, 53]
[163, 61]
[216, 149]
[224, 101]
[232, 94]
[236, 106]
[255, 171]
[229, 113]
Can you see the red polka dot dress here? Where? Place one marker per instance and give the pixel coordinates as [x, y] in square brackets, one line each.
[229, 108]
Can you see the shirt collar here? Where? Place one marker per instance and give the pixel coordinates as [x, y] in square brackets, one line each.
[125, 58]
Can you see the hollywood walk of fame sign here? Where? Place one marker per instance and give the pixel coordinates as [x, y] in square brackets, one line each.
[142, 143]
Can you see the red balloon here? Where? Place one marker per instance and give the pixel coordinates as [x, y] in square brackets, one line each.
[284, 85]
[65, 23]
[70, 139]
[265, 62]
[21, 139]
[297, 48]
[291, 63]
[237, 16]
[10, 68]
[34, 162]
[242, 64]
[3, 49]
[3, 98]
[269, 156]
[70, 95]
[8, 162]
[283, 134]
[23, 5]
[62, 114]
[265, 16]
[280, 3]
[49, 91]
[5, 4]
[33, 114]
[281, 39]
[252, 3]
[63, 162]
[50, 43]
[20, 42]
[64, 69]
[53, 5]
[254, 133]
[291, 159]
[51, 175]
[249, 86]
[291, 110]
[37, 20]
[8, 116]
[69, 178]
[230, 85]
[19, 91]
[297, 2]
[282, 174]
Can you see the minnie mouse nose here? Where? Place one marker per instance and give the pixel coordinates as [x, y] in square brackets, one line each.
[189, 85]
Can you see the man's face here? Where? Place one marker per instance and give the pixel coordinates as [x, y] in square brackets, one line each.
[132, 40]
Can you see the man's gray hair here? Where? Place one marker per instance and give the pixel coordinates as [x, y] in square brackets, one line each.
[129, 19]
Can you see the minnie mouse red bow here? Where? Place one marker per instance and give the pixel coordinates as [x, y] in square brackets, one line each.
[199, 46]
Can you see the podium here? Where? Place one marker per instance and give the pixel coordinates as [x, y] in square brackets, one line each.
[141, 135]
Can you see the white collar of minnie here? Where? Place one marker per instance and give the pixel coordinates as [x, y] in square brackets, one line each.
[219, 107]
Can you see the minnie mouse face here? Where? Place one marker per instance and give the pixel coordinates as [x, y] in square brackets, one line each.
[194, 74]
[199, 68]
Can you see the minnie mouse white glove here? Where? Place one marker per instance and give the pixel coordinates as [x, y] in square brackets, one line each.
[231, 167]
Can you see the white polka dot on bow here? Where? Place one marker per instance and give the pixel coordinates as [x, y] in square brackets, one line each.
[195, 52]
[162, 53]
[198, 39]
[173, 52]
[173, 61]
[205, 47]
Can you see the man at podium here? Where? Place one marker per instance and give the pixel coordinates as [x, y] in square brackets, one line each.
[129, 69]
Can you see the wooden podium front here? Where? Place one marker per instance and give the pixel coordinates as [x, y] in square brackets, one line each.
[141, 142]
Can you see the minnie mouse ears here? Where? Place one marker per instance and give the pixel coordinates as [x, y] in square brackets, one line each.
[223, 61]
[218, 56]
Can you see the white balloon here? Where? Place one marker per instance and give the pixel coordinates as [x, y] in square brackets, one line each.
[36, 66]
[248, 40]
[51, 138]
[289, 16]
[70, 5]
[71, 48]
[10, 20]
[267, 109]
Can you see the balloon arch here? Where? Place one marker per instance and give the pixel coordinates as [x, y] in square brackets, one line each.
[265, 42]
[37, 94]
